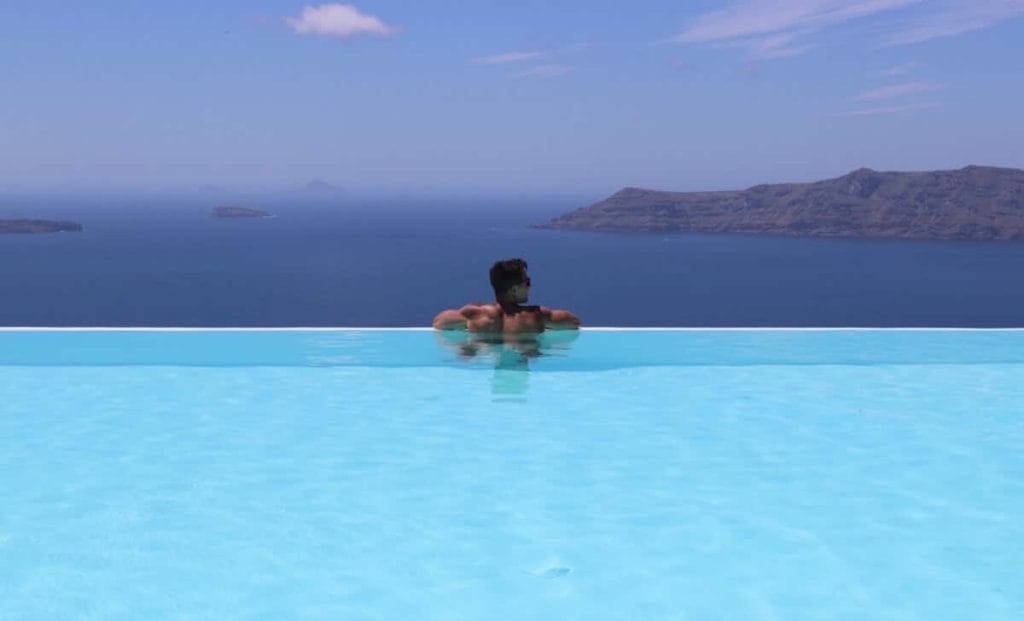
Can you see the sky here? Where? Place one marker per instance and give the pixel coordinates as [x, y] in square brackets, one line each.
[455, 97]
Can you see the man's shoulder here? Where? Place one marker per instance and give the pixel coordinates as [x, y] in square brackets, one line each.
[479, 308]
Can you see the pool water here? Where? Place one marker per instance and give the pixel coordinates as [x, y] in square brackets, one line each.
[365, 474]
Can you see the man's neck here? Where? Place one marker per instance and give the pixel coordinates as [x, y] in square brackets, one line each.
[508, 305]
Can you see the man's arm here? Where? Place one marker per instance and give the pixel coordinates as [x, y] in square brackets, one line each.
[456, 319]
[450, 320]
[556, 319]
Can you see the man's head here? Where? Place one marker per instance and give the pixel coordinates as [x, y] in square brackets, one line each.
[510, 281]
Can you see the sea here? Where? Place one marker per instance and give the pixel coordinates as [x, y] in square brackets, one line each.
[372, 261]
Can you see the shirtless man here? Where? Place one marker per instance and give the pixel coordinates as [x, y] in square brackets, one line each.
[508, 315]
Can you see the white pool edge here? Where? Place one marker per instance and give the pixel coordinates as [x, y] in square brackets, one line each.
[427, 329]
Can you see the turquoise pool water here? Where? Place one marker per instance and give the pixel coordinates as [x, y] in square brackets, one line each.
[621, 475]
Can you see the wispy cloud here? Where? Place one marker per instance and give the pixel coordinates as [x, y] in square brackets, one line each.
[774, 46]
[955, 17]
[550, 69]
[781, 28]
[749, 70]
[543, 71]
[338, 20]
[574, 48]
[770, 28]
[895, 70]
[896, 90]
[508, 57]
[886, 109]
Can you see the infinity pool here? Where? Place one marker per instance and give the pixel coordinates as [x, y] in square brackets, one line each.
[364, 474]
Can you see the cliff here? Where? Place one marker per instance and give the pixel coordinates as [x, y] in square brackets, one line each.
[975, 203]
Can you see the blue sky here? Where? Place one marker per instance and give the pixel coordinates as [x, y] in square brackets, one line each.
[476, 97]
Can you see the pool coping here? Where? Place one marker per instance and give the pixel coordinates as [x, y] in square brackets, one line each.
[427, 329]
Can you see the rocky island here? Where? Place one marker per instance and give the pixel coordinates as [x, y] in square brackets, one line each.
[972, 203]
[239, 212]
[38, 226]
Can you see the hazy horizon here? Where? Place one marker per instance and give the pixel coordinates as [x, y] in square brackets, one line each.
[383, 97]
[59, 191]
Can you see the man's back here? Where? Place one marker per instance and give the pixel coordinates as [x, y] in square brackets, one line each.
[494, 319]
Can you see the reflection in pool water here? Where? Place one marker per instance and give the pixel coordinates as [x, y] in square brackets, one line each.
[510, 354]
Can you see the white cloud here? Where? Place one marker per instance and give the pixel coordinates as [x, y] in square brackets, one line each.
[509, 57]
[957, 17]
[543, 71]
[337, 20]
[887, 109]
[896, 90]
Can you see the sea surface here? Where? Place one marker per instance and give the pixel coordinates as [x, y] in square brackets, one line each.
[348, 261]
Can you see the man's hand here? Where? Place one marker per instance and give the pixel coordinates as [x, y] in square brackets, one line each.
[560, 319]
[450, 320]
[457, 319]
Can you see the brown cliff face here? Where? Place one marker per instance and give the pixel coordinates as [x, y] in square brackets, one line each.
[975, 203]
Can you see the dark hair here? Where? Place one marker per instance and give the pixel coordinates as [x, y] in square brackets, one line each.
[507, 274]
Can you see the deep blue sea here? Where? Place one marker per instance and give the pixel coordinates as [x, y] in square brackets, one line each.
[162, 261]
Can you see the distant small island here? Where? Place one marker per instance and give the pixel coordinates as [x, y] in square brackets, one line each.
[239, 212]
[319, 186]
[38, 226]
[972, 203]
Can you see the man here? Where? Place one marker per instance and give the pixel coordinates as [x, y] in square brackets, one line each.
[507, 315]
